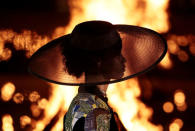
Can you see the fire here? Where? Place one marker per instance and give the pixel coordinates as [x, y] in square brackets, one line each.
[59, 100]
[133, 113]
[126, 12]
[141, 13]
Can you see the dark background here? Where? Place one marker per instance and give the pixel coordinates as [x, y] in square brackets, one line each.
[43, 16]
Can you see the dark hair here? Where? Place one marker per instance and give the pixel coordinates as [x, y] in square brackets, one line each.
[78, 61]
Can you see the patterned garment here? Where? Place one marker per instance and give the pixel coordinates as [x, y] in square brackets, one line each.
[95, 111]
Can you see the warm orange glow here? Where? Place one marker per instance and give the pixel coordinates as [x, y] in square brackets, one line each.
[179, 122]
[183, 56]
[7, 123]
[176, 43]
[173, 47]
[27, 40]
[18, 98]
[25, 120]
[42, 103]
[168, 107]
[179, 98]
[36, 111]
[133, 113]
[34, 96]
[122, 12]
[192, 49]
[182, 40]
[182, 107]
[59, 100]
[174, 127]
[166, 62]
[123, 98]
[7, 91]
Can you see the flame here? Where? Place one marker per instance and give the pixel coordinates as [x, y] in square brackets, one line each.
[7, 123]
[141, 13]
[60, 99]
[133, 113]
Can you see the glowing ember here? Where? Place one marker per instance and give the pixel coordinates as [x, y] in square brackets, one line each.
[34, 96]
[7, 91]
[168, 107]
[7, 123]
[25, 120]
[18, 98]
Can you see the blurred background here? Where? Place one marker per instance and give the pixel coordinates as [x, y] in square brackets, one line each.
[159, 100]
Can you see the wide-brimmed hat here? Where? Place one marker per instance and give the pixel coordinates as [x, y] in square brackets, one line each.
[96, 48]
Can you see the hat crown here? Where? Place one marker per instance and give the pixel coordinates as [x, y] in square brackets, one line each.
[94, 35]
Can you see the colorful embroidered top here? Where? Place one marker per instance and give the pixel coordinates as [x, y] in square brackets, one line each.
[95, 111]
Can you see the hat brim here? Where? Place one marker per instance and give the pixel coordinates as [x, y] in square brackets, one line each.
[142, 49]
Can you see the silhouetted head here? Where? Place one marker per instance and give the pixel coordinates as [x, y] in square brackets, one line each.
[94, 49]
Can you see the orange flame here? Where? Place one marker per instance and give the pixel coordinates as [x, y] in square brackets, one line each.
[133, 113]
[142, 13]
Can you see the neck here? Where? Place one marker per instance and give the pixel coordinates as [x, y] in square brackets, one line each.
[99, 90]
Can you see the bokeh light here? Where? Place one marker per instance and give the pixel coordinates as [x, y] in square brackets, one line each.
[168, 107]
[7, 91]
[36, 111]
[7, 123]
[173, 47]
[183, 56]
[179, 122]
[179, 98]
[25, 120]
[18, 98]
[42, 103]
[174, 127]
[34, 96]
